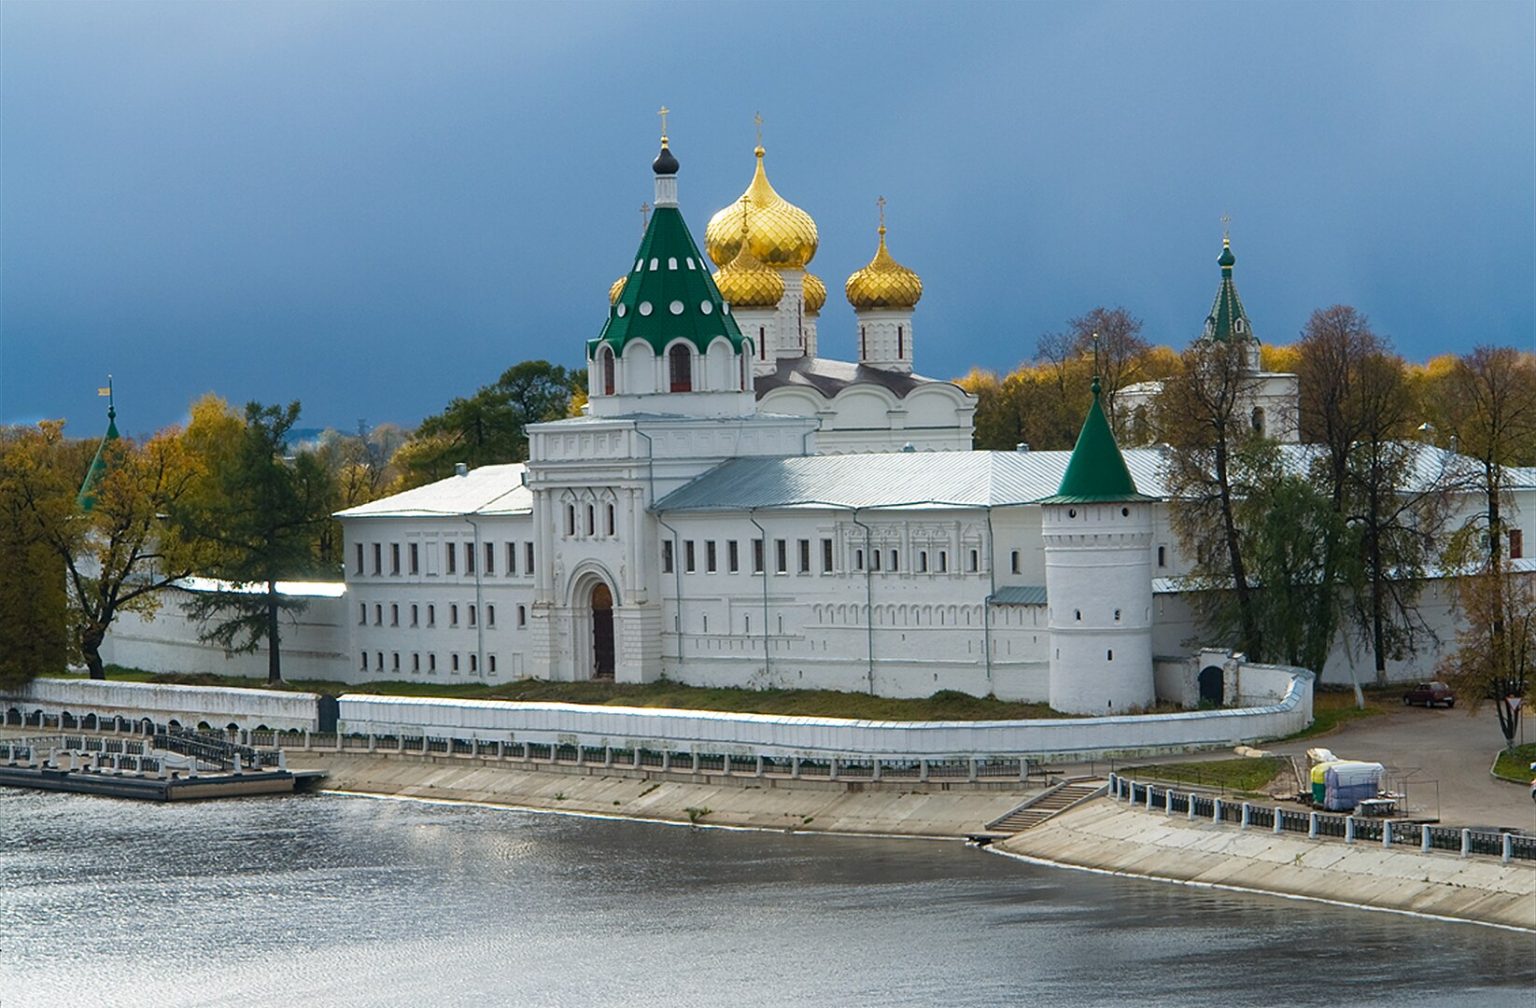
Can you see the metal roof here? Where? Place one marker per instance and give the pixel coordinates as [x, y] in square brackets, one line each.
[488, 490]
[1019, 595]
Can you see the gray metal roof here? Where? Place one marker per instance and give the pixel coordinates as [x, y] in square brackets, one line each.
[891, 479]
[1019, 595]
[488, 490]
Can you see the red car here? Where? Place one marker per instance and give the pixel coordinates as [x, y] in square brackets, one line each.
[1429, 694]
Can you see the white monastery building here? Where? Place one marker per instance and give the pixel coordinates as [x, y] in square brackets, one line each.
[735, 509]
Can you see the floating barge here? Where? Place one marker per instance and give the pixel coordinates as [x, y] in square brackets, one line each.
[180, 767]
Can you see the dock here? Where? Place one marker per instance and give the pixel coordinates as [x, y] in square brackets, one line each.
[171, 766]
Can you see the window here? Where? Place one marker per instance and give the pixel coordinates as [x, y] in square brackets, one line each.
[378, 614]
[973, 561]
[432, 663]
[469, 558]
[688, 556]
[490, 558]
[804, 549]
[863, 346]
[901, 343]
[874, 559]
[362, 614]
[605, 364]
[358, 569]
[492, 660]
[431, 615]
[858, 559]
[570, 519]
[943, 561]
[528, 559]
[474, 664]
[472, 615]
[363, 660]
[709, 556]
[1077, 614]
[895, 566]
[1117, 615]
[826, 556]
[415, 559]
[1162, 556]
[1516, 544]
[378, 563]
[762, 342]
[522, 616]
[611, 523]
[922, 561]
[666, 556]
[394, 558]
[781, 556]
[680, 368]
[455, 659]
[732, 556]
[1013, 561]
[394, 661]
[413, 614]
[757, 556]
[490, 615]
[511, 559]
[1109, 655]
[453, 614]
[378, 661]
[394, 614]
[1258, 420]
[452, 556]
[415, 661]
[591, 519]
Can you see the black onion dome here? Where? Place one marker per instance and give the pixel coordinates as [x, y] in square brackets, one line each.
[665, 163]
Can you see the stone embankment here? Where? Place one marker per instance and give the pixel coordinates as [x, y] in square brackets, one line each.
[1104, 836]
[903, 809]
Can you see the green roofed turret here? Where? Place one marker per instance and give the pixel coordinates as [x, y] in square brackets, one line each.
[668, 293]
[1097, 471]
[1227, 320]
[98, 469]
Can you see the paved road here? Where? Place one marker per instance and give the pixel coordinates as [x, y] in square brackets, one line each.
[1443, 755]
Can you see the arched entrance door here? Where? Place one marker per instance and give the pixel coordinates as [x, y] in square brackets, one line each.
[602, 632]
[1210, 686]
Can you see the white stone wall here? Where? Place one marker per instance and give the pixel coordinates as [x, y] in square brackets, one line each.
[188, 706]
[885, 338]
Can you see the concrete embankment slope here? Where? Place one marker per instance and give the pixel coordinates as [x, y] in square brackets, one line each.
[1106, 836]
[885, 808]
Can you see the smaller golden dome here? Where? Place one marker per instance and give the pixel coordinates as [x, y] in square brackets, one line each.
[884, 283]
[815, 293]
[617, 290]
[745, 281]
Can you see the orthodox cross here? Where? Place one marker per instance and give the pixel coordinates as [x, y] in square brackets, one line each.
[757, 120]
[663, 113]
[880, 202]
[645, 217]
[1226, 226]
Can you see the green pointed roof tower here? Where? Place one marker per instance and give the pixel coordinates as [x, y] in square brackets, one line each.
[98, 468]
[1096, 472]
[1227, 319]
[668, 293]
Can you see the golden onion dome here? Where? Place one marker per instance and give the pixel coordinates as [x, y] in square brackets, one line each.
[617, 290]
[884, 283]
[781, 235]
[815, 294]
[746, 283]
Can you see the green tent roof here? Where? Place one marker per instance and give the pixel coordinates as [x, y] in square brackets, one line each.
[1096, 472]
[1227, 318]
[668, 293]
[98, 469]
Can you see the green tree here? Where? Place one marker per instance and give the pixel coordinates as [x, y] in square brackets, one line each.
[1495, 654]
[489, 426]
[262, 514]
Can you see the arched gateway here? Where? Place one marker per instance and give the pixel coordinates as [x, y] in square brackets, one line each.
[602, 631]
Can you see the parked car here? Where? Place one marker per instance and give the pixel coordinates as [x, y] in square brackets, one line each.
[1429, 694]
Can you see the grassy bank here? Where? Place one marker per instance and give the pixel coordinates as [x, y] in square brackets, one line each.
[946, 705]
[1243, 774]
[1333, 708]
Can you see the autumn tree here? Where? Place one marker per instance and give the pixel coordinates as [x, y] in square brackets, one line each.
[1495, 654]
[34, 610]
[261, 512]
[116, 553]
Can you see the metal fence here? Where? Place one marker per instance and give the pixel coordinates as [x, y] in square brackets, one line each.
[1507, 845]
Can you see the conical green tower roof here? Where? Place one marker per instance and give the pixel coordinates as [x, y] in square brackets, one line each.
[1096, 472]
[1227, 318]
[98, 469]
[668, 293]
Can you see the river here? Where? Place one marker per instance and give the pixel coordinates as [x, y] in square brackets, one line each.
[349, 901]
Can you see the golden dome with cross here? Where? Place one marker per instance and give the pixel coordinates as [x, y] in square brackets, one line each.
[779, 233]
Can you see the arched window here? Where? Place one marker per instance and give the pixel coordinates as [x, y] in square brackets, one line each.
[863, 347]
[1258, 420]
[680, 366]
[605, 365]
[762, 342]
[901, 343]
[742, 358]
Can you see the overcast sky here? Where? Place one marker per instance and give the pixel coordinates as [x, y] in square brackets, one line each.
[375, 207]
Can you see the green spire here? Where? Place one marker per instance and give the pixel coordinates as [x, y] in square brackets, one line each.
[1096, 471]
[668, 293]
[98, 469]
[1227, 318]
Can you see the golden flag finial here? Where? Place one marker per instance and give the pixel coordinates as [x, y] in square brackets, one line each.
[663, 113]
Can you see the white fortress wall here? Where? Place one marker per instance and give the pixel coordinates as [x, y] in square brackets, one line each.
[162, 703]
